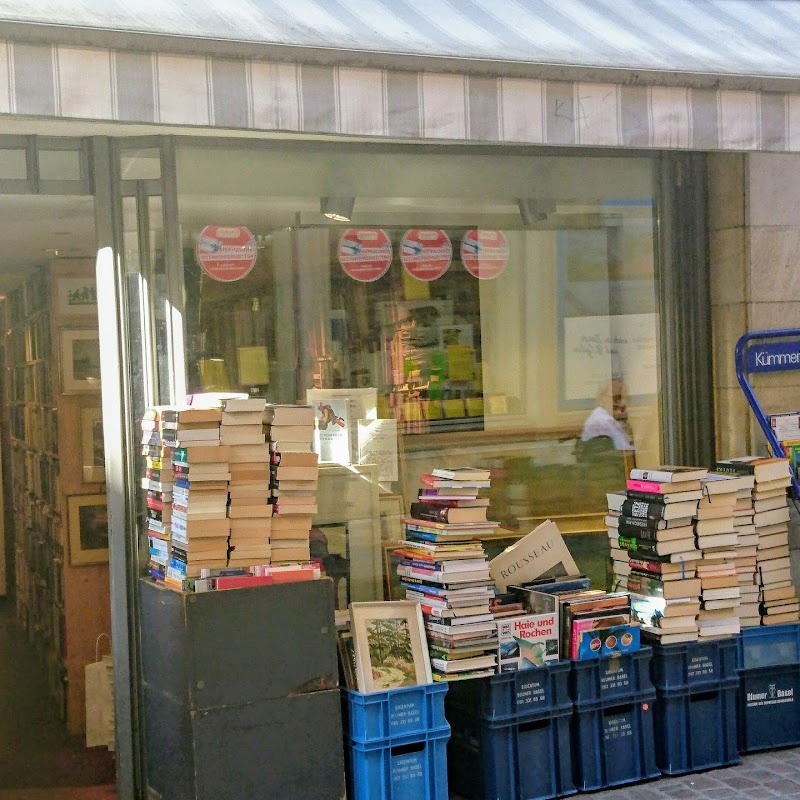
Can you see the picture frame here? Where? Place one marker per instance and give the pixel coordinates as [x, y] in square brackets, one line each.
[87, 528]
[391, 650]
[391, 508]
[76, 297]
[347, 660]
[80, 360]
[92, 445]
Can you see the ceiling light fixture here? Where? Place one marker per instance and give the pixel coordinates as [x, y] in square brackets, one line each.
[339, 209]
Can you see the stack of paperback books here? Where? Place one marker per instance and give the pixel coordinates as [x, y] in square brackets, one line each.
[249, 512]
[158, 483]
[718, 539]
[294, 476]
[777, 597]
[444, 567]
[200, 528]
[653, 549]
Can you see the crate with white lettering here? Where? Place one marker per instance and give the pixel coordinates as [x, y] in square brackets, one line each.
[512, 696]
[685, 717]
[384, 716]
[694, 664]
[405, 768]
[769, 709]
[528, 758]
[613, 743]
[621, 678]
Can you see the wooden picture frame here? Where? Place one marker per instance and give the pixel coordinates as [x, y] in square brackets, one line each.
[76, 296]
[92, 445]
[347, 659]
[391, 508]
[80, 360]
[391, 650]
[87, 516]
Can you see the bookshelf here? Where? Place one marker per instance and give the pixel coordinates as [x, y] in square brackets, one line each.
[61, 605]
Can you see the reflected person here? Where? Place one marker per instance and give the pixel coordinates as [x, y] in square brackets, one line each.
[610, 417]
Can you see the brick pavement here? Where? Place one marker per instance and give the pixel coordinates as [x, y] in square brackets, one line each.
[771, 775]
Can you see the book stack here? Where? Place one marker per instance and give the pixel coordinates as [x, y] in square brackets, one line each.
[200, 496]
[444, 567]
[158, 483]
[294, 476]
[718, 539]
[653, 549]
[249, 511]
[778, 602]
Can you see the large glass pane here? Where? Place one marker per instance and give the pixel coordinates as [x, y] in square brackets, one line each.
[450, 309]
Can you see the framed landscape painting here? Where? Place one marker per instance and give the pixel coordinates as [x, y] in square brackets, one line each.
[390, 646]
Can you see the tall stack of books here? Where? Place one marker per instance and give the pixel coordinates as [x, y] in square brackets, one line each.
[158, 483]
[777, 597]
[200, 527]
[718, 540]
[444, 567]
[249, 511]
[294, 475]
[746, 550]
[652, 538]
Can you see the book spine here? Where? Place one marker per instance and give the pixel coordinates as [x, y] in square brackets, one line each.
[645, 565]
[638, 545]
[430, 512]
[734, 469]
[657, 475]
[646, 585]
[644, 486]
[638, 534]
[640, 523]
[642, 509]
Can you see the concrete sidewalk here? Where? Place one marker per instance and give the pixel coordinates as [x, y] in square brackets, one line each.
[761, 776]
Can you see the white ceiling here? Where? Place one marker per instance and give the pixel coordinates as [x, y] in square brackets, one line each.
[33, 228]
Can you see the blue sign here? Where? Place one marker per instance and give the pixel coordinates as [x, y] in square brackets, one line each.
[773, 357]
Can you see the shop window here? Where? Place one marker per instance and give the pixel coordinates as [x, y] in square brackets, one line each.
[449, 309]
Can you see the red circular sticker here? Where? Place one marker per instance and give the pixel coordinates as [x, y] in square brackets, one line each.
[484, 253]
[226, 253]
[426, 254]
[365, 253]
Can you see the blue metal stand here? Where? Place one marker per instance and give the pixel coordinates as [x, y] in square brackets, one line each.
[767, 351]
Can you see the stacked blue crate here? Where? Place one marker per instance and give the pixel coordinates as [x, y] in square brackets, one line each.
[769, 671]
[396, 743]
[511, 735]
[697, 686]
[612, 724]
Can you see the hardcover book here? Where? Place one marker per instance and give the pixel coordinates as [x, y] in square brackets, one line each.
[527, 640]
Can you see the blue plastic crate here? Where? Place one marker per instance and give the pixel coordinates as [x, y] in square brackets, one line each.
[694, 664]
[769, 646]
[614, 743]
[616, 678]
[769, 707]
[696, 729]
[411, 768]
[528, 759]
[382, 716]
[512, 695]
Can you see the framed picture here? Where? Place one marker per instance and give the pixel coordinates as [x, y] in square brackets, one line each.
[391, 509]
[88, 529]
[80, 361]
[390, 646]
[76, 297]
[92, 448]
[347, 660]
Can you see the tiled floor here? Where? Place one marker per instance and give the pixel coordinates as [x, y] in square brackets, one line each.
[760, 776]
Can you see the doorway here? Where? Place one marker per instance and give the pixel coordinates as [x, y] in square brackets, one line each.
[54, 576]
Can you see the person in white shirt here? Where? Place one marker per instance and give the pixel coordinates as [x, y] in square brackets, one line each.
[610, 417]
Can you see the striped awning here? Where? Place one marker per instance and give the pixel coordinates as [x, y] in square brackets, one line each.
[673, 38]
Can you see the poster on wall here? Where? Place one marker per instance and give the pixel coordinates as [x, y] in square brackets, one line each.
[226, 253]
[337, 412]
[365, 254]
[426, 254]
[377, 444]
[484, 253]
[595, 348]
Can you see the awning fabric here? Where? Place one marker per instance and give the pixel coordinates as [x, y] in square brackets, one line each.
[651, 74]
[709, 37]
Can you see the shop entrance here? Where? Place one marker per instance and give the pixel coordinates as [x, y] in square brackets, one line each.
[54, 574]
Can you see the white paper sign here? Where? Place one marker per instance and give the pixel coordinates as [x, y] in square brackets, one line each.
[353, 405]
[377, 444]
